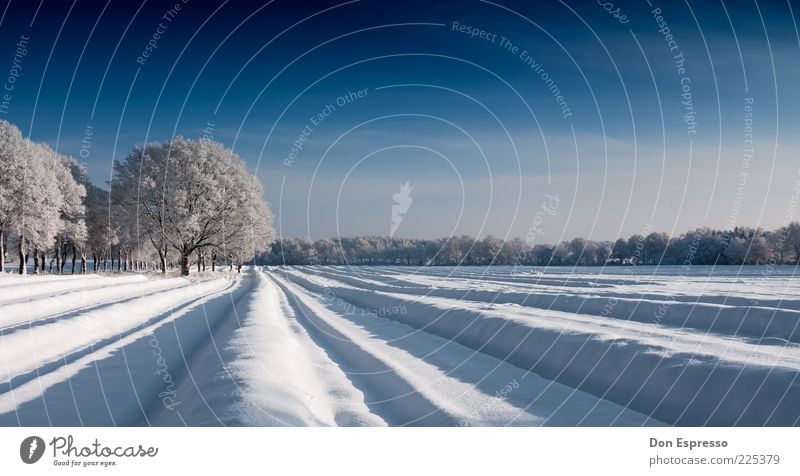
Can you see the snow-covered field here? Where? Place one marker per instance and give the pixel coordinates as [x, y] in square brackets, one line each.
[403, 346]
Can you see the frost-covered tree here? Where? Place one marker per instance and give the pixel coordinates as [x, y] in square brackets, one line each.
[139, 191]
[190, 196]
[247, 231]
[603, 253]
[655, 245]
[792, 232]
[577, 249]
[11, 149]
[620, 250]
[35, 200]
[39, 197]
[102, 231]
[72, 232]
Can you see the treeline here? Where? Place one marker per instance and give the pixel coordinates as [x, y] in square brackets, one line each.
[175, 204]
[702, 246]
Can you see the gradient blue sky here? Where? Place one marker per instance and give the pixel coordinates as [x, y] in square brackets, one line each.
[473, 129]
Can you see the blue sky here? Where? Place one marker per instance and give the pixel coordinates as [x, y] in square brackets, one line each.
[476, 131]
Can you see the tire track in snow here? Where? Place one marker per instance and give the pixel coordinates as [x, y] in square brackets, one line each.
[281, 377]
[388, 395]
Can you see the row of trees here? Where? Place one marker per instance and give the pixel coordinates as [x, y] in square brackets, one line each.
[185, 202]
[702, 246]
[193, 199]
[41, 200]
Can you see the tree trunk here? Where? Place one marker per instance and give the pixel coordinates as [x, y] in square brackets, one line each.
[184, 263]
[64, 259]
[2, 251]
[35, 261]
[199, 257]
[22, 264]
[57, 256]
[74, 259]
[163, 262]
[44, 255]
[213, 260]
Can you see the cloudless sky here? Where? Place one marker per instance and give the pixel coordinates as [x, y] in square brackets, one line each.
[472, 125]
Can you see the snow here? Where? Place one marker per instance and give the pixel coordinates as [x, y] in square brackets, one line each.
[288, 379]
[375, 346]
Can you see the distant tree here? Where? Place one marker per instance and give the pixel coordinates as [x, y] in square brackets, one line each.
[513, 252]
[561, 254]
[793, 238]
[576, 250]
[543, 254]
[701, 246]
[655, 245]
[759, 252]
[736, 251]
[636, 249]
[326, 250]
[710, 248]
[487, 250]
[620, 250]
[603, 253]
[589, 256]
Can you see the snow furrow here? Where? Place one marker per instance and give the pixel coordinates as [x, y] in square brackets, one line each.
[285, 378]
[127, 380]
[756, 320]
[473, 388]
[75, 303]
[36, 290]
[27, 350]
[673, 376]
[387, 394]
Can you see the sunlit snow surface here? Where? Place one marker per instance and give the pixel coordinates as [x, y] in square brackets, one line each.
[465, 346]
